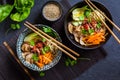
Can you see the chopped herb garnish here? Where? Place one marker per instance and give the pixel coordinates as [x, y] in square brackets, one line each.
[98, 25]
[43, 52]
[15, 26]
[86, 7]
[46, 48]
[35, 57]
[84, 31]
[73, 62]
[47, 30]
[32, 43]
[81, 17]
[69, 62]
[53, 34]
[42, 74]
[66, 63]
[43, 39]
[91, 31]
[87, 13]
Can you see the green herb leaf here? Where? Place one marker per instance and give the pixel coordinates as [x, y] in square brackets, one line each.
[98, 25]
[13, 26]
[35, 57]
[91, 31]
[47, 30]
[66, 63]
[73, 62]
[53, 34]
[43, 39]
[86, 8]
[82, 17]
[17, 26]
[69, 62]
[32, 43]
[87, 13]
[43, 52]
[46, 48]
[42, 74]
[84, 31]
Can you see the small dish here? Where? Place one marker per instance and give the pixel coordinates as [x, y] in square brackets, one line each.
[33, 66]
[52, 11]
[69, 17]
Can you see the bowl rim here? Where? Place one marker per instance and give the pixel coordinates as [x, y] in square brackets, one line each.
[33, 66]
[73, 41]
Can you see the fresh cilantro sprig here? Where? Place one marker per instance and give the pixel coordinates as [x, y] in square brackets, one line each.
[45, 49]
[71, 62]
[49, 31]
[15, 26]
[41, 74]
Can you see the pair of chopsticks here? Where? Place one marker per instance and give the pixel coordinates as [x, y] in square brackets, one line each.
[53, 41]
[93, 7]
[12, 53]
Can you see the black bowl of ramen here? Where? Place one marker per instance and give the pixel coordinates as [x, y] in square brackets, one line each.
[84, 29]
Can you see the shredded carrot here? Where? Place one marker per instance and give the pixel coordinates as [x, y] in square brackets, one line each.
[40, 64]
[45, 59]
[95, 39]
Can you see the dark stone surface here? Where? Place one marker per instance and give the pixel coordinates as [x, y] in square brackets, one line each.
[104, 64]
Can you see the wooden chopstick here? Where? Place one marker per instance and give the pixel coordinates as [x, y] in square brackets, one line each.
[50, 41]
[117, 39]
[12, 53]
[104, 15]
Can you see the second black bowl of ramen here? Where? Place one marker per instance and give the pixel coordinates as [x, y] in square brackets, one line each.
[69, 19]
